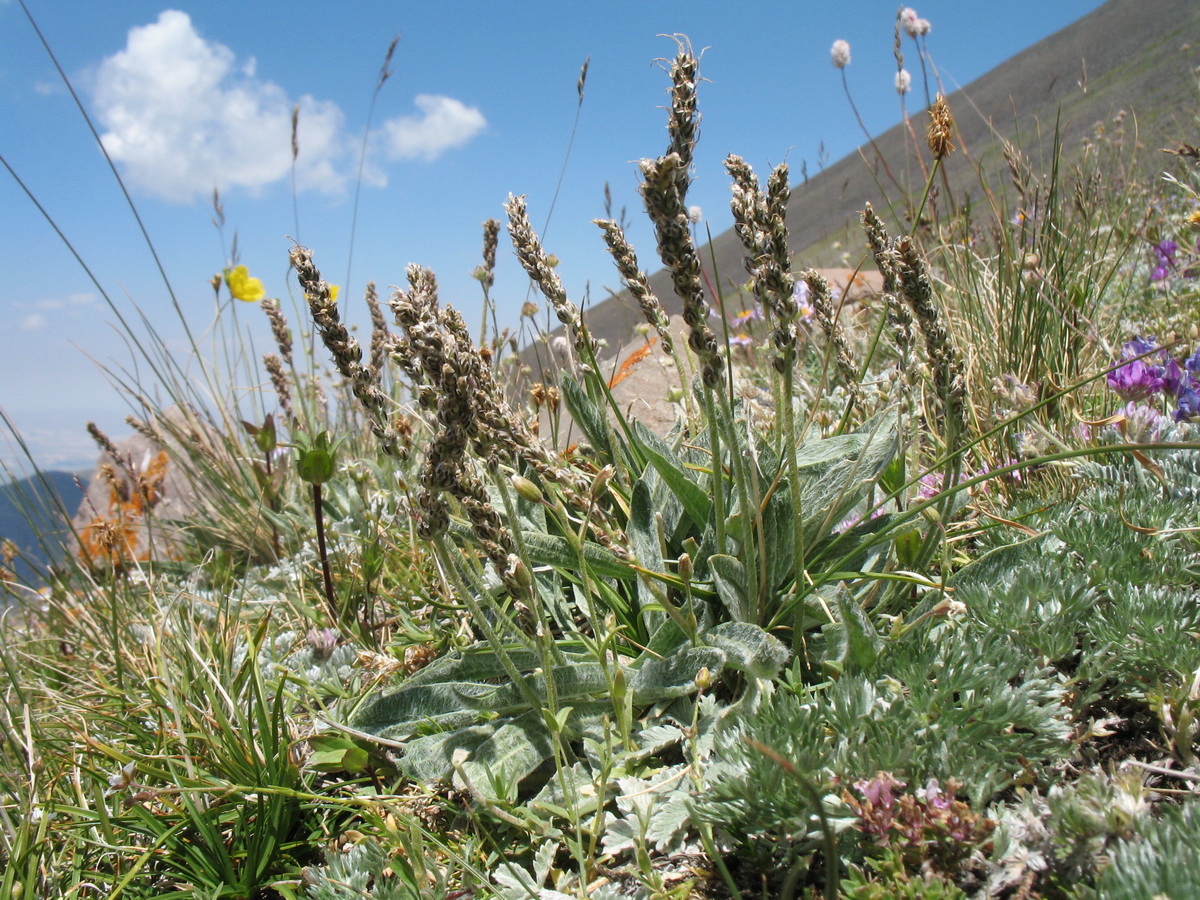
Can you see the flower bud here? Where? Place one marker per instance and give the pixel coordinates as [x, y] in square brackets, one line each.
[526, 489]
[686, 570]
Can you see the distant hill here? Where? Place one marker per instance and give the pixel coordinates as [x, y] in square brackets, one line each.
[32, 517]
[1136, 55]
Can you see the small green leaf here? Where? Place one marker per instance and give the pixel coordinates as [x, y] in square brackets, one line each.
[336, 753]
[675, 676]
[587, 416]
[749, 648]
[863, 642]
[729, 578]
[696, 501]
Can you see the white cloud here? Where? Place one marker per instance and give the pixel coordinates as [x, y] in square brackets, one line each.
[443, 124]
[183, 115]
[33, 322]
[82, 299]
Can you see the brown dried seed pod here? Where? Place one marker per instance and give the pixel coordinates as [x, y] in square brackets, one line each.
[940, 135]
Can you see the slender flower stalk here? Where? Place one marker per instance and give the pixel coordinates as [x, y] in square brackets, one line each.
[279, 329]
[675, 248]
[347, 355]
[840, 56]
[487, 275]
[827, 318]
[535, 262]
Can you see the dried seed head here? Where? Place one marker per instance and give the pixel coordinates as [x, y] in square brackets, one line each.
[636, 280]
[940, 136]
[491, 236]
[279, 328]
[381, 337]
[346, 353]
[279, 380]
[540, 269]
[664, 206]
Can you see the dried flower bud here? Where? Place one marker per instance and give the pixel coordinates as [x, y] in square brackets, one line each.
[940, 136]
[603, 477]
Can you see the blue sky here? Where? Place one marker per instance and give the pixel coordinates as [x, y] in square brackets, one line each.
[481, 102]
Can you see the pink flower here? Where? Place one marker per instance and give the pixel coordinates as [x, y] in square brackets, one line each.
[840, 53]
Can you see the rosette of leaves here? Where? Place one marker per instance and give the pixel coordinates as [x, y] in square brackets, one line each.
[466, 703]
[672, 511]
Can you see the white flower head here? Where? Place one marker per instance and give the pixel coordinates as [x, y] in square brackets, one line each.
[903, 82]
[914, 26]
[695, 214]
[840, 53]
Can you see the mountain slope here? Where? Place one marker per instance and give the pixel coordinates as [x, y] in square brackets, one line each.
[32, 517]
[1136, 55]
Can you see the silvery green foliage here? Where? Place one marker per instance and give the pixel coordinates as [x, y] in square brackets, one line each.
[652, 813]
[306, 658]
[516, 882]
[952, 701]
[1064, 833]
[1160, 862]
[654, 806]
[1106, 589]
[359, 872]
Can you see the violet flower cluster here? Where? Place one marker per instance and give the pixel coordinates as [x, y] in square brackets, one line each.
[1145, 374]
[1165, 261]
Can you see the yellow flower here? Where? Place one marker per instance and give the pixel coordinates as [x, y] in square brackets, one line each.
[242, 286]
[1194, 218]
[333, 292]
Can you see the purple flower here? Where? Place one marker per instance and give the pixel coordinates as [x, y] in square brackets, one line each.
[1189, 403]
[1135, 380]
[741, 339]
[880, 790]
[1192, 364]
[1139, 346]
[1143, 424]
[746, 315]
[934, 796]
[1164, 255]
[322, 642]
[1173, 379]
